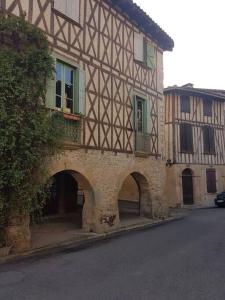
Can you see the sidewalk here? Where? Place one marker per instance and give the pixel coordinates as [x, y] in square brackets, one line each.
[49, 239]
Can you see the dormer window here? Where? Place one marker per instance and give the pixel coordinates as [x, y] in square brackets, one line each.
[70, 8]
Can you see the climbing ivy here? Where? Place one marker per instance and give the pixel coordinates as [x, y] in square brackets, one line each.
[29, 135]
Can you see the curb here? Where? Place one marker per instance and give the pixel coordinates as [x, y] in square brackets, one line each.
[73, 246]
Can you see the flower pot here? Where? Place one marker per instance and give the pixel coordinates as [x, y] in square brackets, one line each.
[66, 110]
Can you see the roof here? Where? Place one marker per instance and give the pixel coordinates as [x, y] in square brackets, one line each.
[188, 89]
[145, 23]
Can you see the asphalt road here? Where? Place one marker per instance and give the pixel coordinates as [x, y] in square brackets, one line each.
[181, 260]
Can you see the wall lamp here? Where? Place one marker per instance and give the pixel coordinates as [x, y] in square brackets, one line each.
[169, 163]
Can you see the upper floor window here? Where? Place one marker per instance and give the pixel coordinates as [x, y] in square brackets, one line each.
[144, 51]
[186, 138]
[70, 8]
[140, 115]
[211, 181]
[185, 103]
[65, 87]
[208, 140]
[207, 107]
[142, 124]
[67, 91]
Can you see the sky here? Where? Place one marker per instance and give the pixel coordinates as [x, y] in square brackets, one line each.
[198, 30]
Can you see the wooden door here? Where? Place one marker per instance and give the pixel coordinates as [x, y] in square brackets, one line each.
[187, 185]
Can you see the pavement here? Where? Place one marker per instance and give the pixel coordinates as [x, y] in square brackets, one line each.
[63, 233]
[182, 260]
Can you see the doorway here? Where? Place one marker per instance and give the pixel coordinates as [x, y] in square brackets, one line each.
[187, 186]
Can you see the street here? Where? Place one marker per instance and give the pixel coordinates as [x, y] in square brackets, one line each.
[180, 260]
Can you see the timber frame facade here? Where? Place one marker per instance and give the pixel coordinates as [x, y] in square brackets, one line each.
[195, 144]
[105, 146]
[102, 45]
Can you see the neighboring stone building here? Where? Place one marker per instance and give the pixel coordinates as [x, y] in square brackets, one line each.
[195, 144]
[109, 86]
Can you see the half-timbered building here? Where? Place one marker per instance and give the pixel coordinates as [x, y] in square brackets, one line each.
[109, 87]
[195, 144]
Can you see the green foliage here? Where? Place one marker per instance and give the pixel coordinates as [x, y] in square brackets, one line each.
[28, 132]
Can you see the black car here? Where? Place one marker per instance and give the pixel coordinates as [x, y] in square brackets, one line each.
[220, 199]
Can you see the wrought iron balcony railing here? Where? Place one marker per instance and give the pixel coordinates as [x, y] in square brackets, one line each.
[72, 131]
[71, 125]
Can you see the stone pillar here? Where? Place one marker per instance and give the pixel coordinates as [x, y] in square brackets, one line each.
[18, 234]
[88, 211]
[106, 215]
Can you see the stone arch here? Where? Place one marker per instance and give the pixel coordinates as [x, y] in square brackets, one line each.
[144, 195]
[83, 184]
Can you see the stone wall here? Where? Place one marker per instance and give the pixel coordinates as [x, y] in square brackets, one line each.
[102, 175]
[201, 197]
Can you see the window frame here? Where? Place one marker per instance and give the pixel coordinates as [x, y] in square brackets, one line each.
[148, 56]
[144, 114]
[143, 121]
[184, 139]
[185, 105]
[211, 186]
[209, 140]
[207, 107]
[149, 47]
[63, 84]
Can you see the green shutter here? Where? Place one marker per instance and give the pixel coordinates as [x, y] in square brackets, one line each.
[148, 116]
[50, 94]
[135, 113]
[145, 49]
[150, 59]
[82, 95]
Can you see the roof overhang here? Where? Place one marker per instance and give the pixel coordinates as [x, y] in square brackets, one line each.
[145, 23]
[205, 93]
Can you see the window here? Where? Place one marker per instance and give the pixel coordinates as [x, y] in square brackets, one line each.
[149, 55]
[142, 124]
[66, 91]
[207, 107]
[208, 140]
[144, 51]
[185, 103]
[70, 8]
[211, 181]
[186, 138]
[138, 47]
[140, 115]
[65, 87]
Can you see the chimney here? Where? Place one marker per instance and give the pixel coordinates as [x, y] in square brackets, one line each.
[188, 85]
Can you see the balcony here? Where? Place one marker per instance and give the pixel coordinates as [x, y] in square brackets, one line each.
[142, 144]
[71, 125]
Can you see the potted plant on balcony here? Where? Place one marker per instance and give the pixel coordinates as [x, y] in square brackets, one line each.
[66, 110]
